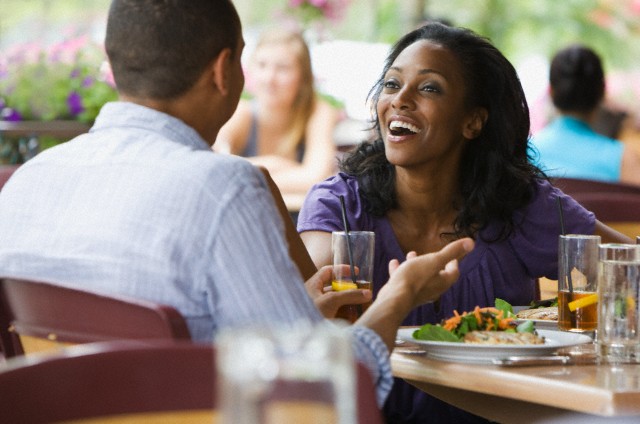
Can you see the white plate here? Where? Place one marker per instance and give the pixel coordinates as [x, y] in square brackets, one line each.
[484, 354]
[541, 324]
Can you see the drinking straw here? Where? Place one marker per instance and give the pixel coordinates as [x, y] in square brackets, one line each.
[346, 230]
[569, 282]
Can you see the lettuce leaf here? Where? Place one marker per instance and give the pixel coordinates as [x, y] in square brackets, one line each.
[435, 333]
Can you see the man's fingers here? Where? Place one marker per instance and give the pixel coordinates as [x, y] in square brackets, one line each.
[454, 250]
[450, 271]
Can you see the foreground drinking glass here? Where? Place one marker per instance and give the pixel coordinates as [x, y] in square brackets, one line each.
[352, 267]
[578, 282]
[618, 325]
[302, 374]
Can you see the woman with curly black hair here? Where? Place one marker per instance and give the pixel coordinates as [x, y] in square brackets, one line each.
[450, 160]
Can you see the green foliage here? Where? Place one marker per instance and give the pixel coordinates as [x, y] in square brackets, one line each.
[521, 28]
[51, 89]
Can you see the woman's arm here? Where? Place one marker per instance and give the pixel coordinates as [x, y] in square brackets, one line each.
[318, 244]
[630, 166]
[319, 161]
[232, 137]
[609, 235]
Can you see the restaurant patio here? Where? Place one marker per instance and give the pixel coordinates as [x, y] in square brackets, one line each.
[54, 80]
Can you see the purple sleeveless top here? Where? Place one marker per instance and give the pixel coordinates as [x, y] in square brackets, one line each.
[507, 269]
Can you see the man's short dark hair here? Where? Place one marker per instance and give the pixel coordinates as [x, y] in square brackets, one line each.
[159, 48]
[577, 79]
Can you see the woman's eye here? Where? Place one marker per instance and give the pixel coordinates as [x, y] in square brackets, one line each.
[390, 84]
[431, 88]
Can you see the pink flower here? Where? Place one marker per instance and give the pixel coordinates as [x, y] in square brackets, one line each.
[319, 3]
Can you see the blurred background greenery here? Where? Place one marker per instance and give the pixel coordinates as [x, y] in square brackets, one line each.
[517, 27]
[527, 31]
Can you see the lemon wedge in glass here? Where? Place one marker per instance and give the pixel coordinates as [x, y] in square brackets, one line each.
[343, 285]
[582, 302]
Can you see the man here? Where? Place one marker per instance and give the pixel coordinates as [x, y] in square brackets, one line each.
[141, 205]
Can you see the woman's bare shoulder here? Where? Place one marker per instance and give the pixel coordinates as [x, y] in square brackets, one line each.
[233, 135]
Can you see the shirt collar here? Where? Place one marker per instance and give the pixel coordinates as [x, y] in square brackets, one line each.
[132, 115]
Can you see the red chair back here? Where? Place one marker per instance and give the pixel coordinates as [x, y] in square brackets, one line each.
[108, 379]
[126, 377]
[50, 312]
[575, 186]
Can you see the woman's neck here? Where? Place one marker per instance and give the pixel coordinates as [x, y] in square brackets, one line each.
[425, 210]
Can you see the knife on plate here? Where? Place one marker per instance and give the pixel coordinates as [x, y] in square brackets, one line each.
[524, 361]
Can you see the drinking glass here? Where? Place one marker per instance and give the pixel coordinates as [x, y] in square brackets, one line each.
[618, 297]
[578, 282]
[352, 267]
[301, 373]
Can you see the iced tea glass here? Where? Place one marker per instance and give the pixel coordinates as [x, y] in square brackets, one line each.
[352, 267]
[578, 283]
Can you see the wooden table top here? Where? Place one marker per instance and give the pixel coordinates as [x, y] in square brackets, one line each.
[551, 390]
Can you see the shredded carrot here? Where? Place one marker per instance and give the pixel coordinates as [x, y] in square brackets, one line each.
[476, 312]
[451, 323]
[505, 323]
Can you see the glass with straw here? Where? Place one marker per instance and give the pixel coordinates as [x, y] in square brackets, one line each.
[352, 264]
[578, 283]
[577, 280]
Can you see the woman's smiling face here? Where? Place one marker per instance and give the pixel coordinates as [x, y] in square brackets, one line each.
[421, 108]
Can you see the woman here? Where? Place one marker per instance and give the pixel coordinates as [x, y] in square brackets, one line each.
[286, 127]
[569, 146]
[450, 160]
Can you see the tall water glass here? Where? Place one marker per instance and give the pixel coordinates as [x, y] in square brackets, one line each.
[618, 298]
[301, 373]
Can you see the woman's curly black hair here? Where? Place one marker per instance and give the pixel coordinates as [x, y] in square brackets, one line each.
[496, 170]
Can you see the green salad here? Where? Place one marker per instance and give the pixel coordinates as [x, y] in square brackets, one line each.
[498, 318]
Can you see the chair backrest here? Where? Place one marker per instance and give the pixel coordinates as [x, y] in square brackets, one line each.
[108, 379]
[33, 313]
[620, 211]
[127, 377]
[575, 186]
[297, 249]
[5, 173]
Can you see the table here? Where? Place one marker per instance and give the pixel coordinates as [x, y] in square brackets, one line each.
[550, 394]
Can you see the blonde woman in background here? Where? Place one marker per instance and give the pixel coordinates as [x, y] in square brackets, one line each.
[285, 127]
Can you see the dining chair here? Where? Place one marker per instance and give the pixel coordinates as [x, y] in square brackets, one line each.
[576, 186]
[616, 205]
[620, 211]
[136, 380]
[37, 316]
[297, 249]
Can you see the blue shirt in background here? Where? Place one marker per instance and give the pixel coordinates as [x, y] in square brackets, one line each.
[569, 148]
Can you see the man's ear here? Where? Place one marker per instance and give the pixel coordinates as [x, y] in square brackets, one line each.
[222, 71]
[475, 123]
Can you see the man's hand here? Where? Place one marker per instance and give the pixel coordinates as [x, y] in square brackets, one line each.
[329, 301]
[418, 280]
